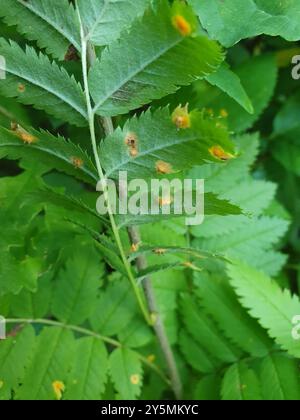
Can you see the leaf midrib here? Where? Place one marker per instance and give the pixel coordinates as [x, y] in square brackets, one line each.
[50, 152]
[157, 148]
[46, 89]
[69, 37]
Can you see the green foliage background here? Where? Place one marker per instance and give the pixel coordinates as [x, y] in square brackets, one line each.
[227, 290]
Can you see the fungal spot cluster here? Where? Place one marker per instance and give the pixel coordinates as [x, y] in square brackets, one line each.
[163, 168]
[23, 135]
[131, 142]
[77, 162]
[135, 247]
[159, 251]
[181, 117]
[219, 153]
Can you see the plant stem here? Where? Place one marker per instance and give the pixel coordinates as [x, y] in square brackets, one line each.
[158, 325]
[154, 317]
[91, 120]
[89, 333]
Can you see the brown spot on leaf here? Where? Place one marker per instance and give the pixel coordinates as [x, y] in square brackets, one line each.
[219, 153]
[71, 54]
[163, 168]
[77, 162]
[135, 247]
[131, 142]
[181, 117]
[21, 88]
[159, 251]
[23, 134]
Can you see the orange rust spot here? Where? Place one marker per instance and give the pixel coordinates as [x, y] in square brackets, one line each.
[165, 201]
[58, 388]
[21, 88]
[181, 117]
[77, 162]
[163, 168]
[182, 25]
[135, 379]
[131, 142]
[27, 138]
[23, 134]
[219, 153]
[135, 247]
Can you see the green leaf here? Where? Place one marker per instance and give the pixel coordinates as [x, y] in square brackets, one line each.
[88, 375]
[273, 307]
[279, 376]
[33, 305]
[137, 334]
[75, 295]
[157, 139]
[51, 362]
[233, 20]
[286, 149]
[54, 152]
[196, 355]
[205, 332]
[32, 79]
[12, 193]
[229, 82]
[53, 24]
[17, 271]
[258, 76]
[115, 308]
[164, 251]
[208, 389]
[241, 384]
[212, 205]
[126, 373]
[247, 242]
[252, 196]
[15, 353]
[221, 304]
[73, 205]
[123, 80]
[105, 20]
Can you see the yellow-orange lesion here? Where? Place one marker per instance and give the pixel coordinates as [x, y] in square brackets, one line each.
[181, 117]
[163, 168]
[219, 153]
[23, 135]
[135, 379]
[58, 388]
[182, 25]
[77, 162]
[131, 141]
